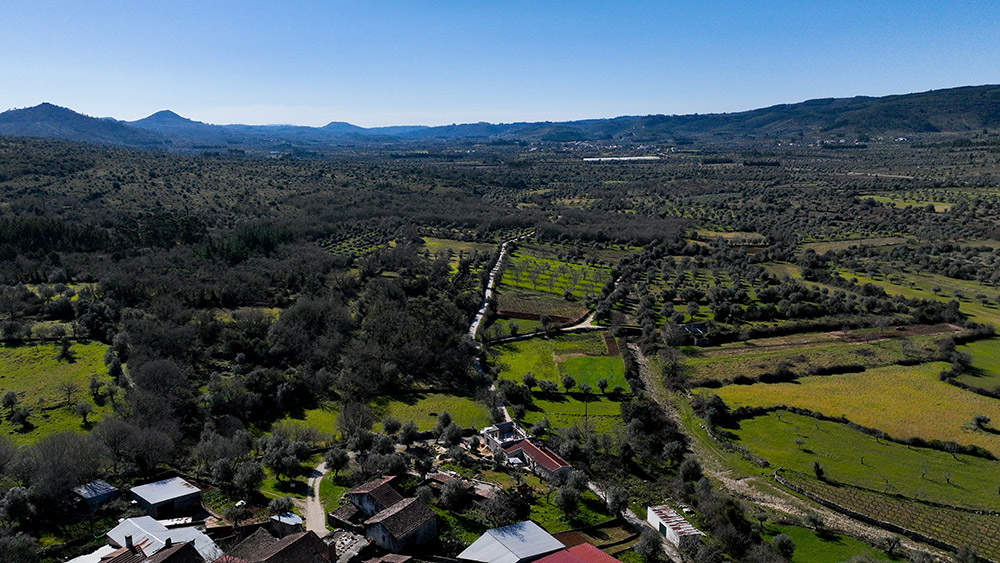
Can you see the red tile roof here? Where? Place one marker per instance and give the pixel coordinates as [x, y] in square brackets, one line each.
[540, 454]
[590, 554]
[561, 556]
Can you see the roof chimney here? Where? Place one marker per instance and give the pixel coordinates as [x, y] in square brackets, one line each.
[167, 543]
[128, 543]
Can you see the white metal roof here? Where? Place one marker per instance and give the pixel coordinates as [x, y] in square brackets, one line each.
[167, 489]
[152, 536]
[288, 518]
[511, 544]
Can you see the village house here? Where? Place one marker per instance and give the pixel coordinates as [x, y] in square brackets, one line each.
[503, 434]
[672, 526]
[538, 458]
[403, 526]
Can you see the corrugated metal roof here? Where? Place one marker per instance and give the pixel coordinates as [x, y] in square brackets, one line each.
[676, 522]
[511, 544]
[152, 536]
[162, 491]
[95, 489]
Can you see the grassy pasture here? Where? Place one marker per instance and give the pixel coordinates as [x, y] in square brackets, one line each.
[581, 355]
[34, 373]
[902, 202]
[826, 246]
[904, 401]
[454, 250]
[811, 547]
[530, 268]
[756, 357]
[923, 288]
[423, 408]
[920, 473]
[601, 412]
[985, 372]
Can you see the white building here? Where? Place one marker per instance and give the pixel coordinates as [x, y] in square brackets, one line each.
[673, 526]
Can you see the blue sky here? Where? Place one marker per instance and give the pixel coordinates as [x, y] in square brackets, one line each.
[390, 63]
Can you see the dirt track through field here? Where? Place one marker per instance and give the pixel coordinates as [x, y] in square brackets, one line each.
[757, 490]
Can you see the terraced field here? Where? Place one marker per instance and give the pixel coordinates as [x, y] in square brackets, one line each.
[802, 352]
[903, 401]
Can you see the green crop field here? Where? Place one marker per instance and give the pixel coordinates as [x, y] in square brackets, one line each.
[582, 356]
[529, 269]
[455, 250]
[847, 455]
[901, 202]
[814, 350]
[603, 413]
[903, 401]
[34, 373]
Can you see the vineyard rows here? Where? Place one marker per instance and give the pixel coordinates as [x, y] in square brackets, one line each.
[954, 527]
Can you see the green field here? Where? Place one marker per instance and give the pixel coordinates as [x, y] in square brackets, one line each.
[34, 373]
[801, 352]
[985, 372]
[581, 355]
[794, 442]
[902, 202]
[527, 268]
[423, 408]
[602, 413]
[902, 401]
[811, 547]
[826, 246]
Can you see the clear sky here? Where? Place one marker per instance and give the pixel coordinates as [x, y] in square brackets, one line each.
[376, 63]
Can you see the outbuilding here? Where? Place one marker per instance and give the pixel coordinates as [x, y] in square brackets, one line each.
[167, 498]
[672, 526]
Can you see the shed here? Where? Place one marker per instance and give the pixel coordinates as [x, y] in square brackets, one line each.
[169, 497]
[285, 523]
[95, 493]
[674, 527]
[515, 543]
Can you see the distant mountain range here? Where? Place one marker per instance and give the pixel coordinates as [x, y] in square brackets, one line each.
[954, 110]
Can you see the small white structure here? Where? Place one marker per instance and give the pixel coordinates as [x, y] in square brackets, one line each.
[673, 526]
[167, 498]
[151, 536]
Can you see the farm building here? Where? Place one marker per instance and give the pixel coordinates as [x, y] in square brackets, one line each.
[166, 498]
[538, 458]
[151, 536]
[301, 547]
[176, 553]
[517, 543]
[673, 526]
[403, 526]
[95, 493]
